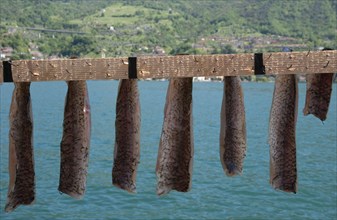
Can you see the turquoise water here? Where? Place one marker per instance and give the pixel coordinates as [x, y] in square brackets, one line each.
[213, 195]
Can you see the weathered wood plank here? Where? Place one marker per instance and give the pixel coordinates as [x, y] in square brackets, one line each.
[70, 69]
[195, 65]
[173, 66]
[300, 62]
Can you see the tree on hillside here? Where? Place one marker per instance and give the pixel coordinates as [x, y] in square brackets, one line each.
[78, 46]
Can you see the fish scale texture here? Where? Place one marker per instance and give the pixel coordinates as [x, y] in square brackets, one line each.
[233, 127]
[282, 134]
[127, 144]
[318, 94]
[21, 189]
[75, 141]
[175, 155]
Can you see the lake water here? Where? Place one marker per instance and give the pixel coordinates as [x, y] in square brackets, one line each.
[213, 194]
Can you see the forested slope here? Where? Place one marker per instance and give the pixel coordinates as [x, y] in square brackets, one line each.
[115, 28]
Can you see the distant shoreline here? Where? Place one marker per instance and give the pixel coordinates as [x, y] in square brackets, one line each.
[258, 79]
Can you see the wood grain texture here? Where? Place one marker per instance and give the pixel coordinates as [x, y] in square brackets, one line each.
[307, 62]
[70, 69]
[282, 134]
[75, 141]
[233, 142]
[127, 144]
[21, 189]
[318, 94]
[195, 65]
[176, 148]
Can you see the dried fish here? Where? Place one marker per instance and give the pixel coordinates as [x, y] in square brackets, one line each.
[75, 141]
[175, 155]
[282, 134]
[21, 189]
[127, 144]
[233, 127]
[319, 87]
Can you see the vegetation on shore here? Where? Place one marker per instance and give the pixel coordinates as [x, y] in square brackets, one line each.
[133, 27]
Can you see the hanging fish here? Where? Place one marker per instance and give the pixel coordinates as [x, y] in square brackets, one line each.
[75, 141]
[175, 155]
[319, 87]
[127, 144]
[21, 189]
[233, 127]
[282, 137]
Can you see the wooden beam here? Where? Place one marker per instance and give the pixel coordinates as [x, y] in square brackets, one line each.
[307, 62]
[301, 62]
[195, 66]
[70, 69]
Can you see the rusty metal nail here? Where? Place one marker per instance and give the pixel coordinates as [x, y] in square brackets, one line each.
[269, 56]
[290, 68]
[327, 64]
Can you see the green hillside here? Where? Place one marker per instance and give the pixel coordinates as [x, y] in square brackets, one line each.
[134, 27]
